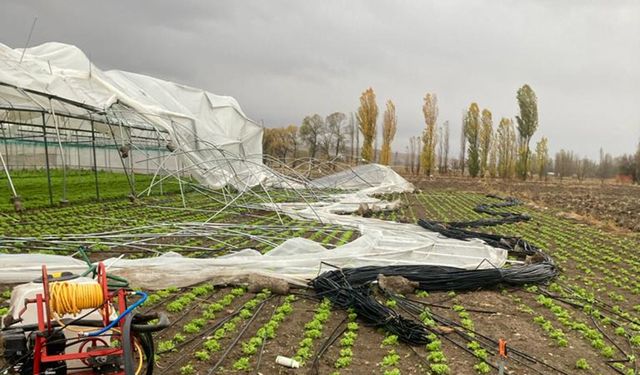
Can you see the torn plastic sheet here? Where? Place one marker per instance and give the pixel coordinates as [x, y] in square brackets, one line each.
[367, 179]
[297, 260]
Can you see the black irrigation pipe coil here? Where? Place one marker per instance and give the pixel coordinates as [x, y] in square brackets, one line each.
[352, 287]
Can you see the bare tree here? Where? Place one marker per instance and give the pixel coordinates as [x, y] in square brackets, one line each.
[542, 154]
[407, 160]
[417, 144]
[335, 133]
[291, 137]
[463, 143]
[311, 132]
[351, 133]
[356, 154]
[445, 148]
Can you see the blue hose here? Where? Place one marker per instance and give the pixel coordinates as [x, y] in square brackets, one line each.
[116, 320]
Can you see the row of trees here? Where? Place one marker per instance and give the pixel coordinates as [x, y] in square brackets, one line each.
[317, 137]
[569, 164]
[335, 138]
[504, 153]
[486, 151]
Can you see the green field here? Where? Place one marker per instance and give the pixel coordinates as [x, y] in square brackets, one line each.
[32, 187]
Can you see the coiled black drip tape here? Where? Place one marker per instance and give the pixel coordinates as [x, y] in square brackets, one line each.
[352, 287]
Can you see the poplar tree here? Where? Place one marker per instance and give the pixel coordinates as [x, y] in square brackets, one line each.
[389, 125]
[506, 148]
[367, 122]
[471, 133]
[542, 155]
[527, 125]
[429, 140]
[486, 133]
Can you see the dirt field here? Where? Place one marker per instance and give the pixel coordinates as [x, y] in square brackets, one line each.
[608, 203]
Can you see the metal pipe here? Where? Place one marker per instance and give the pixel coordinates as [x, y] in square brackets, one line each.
[46, 157]
[95, 159]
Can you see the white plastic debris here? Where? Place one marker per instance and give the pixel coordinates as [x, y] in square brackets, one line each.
[287, 362]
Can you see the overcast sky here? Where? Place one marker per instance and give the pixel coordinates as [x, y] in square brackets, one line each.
[283, 60]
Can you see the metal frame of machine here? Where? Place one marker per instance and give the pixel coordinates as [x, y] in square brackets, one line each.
[45, 343]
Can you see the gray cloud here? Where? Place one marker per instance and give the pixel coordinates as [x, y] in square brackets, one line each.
[283, 60]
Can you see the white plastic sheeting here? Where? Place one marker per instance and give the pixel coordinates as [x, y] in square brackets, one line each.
[367, 179]
[298, 259]
[216, 141]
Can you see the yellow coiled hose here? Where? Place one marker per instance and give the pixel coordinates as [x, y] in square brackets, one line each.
[71, 298]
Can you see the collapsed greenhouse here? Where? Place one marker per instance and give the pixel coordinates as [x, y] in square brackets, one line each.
[58, 111]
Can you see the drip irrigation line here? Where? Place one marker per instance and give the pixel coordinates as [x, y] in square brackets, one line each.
[335, 334]
[420, 358]
[603, 307]
[489, 345]
[235, 340]
[183, 315]
[615, 369]
[265, 338]
[608, 337]
[204, 334]
[449, 307]
[342, 293]
[163, 302]
[187, 351]
[596, 302]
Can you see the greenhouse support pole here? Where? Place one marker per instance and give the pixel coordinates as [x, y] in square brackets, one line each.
[95, 159]
[159, 153]
[4, 138]
[64, 159]
[124, 164]
[6, 170]
[78, 149]
[46, 158]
